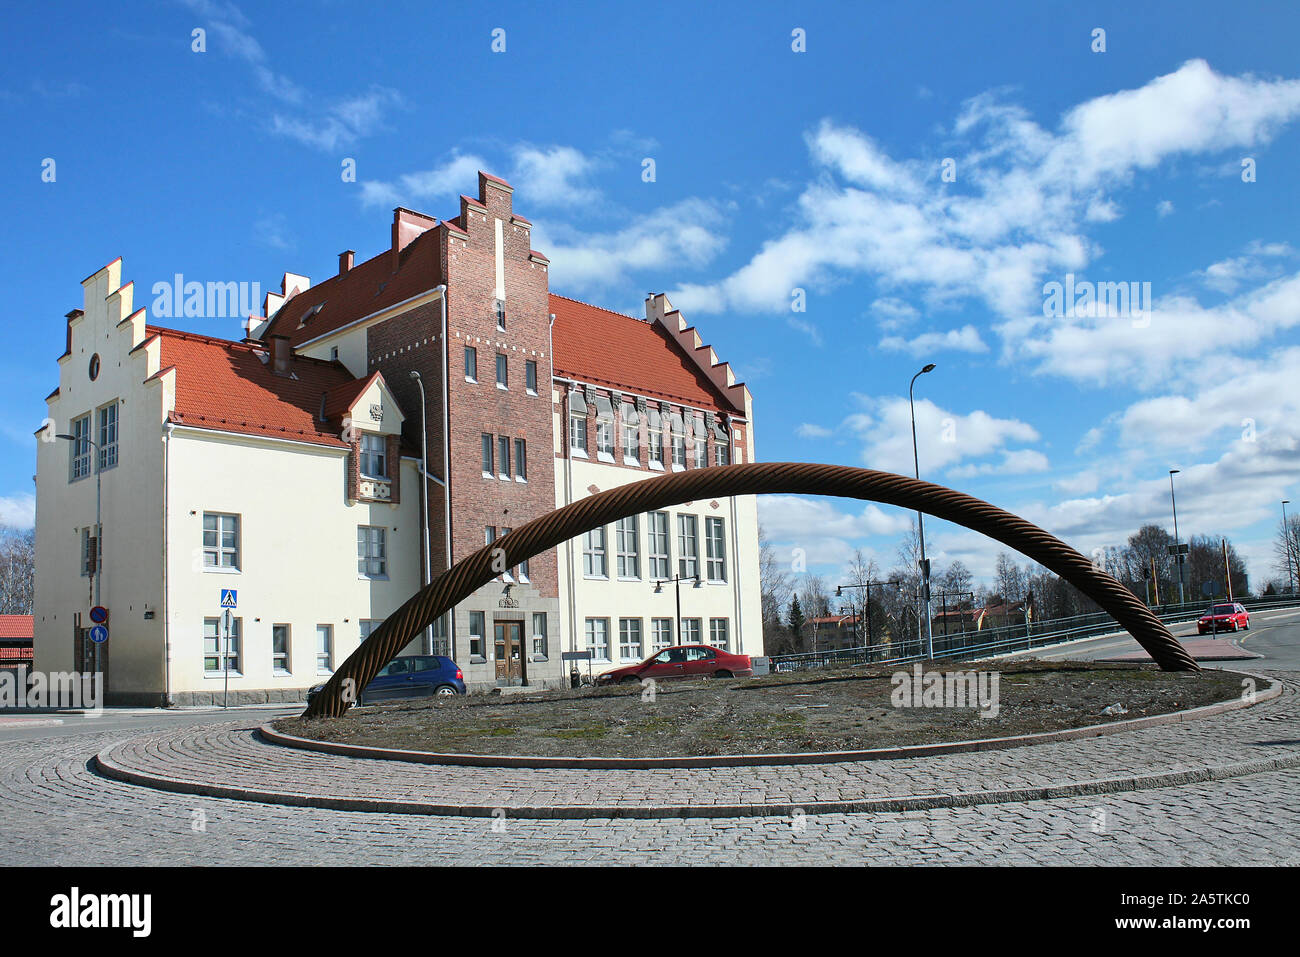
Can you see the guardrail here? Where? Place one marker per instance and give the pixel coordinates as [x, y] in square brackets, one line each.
[1005, 639]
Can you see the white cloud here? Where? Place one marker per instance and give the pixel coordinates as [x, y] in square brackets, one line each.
[439, 183]
[553, 176]
[1025, 196]
[808, 430]
[892, 314]
[1014, 462]
[943, 438]
[822, 530]
[965, 339]
[1253, 265]
[18, 511]
[343, 123]
[1164, 208]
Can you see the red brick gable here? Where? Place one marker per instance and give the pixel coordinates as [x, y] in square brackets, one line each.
[226, 385]
[605, 348]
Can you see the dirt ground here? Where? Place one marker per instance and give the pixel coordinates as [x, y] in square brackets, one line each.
[808, 711]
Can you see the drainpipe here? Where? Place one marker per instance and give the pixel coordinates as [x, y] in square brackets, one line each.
[446, 459]
[165, 609]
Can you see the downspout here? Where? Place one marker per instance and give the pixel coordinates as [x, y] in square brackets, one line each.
[165, 610]
[446, 458]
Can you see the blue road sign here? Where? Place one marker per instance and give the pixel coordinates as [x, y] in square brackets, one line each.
[229, 598]
[99, 634]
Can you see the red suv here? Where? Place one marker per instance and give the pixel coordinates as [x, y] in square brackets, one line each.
[683, 661]
[1226, 617]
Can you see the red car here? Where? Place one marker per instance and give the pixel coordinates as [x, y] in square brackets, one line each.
[683, 661]
[1226, 617]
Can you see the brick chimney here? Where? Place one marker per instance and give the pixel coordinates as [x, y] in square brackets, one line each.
[281, 354]
[346, 259]
[408, 225]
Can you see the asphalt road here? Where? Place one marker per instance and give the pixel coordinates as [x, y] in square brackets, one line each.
[1275, 634]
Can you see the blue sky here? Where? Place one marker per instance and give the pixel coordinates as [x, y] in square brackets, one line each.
[775, 171]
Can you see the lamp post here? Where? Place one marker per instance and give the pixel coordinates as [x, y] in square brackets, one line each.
[677, 586]
[866, 603]
[1286, 544]
[1178, 555]
[920, 518]
[99, 527]
[424, 500]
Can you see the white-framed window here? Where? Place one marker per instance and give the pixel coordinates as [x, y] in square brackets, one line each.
[540, 641]
[598, 638]
[477, 628]
[655, 438]
[220, 653]
[657, 545]
[629, 639]
[678, 441]
[324, 649]
[503, 378]
[521, 460]
[79, 461]
[489, 458]
[471, 364]
[500, 307]
[374, 455]
[280, 645]
[593, 554]
[715, 550]
[605, 435]
[107, 436]
[530, 377]
[220, 541]
[690, 631]
[510, 573]
[723, 453]
[700, 442]
[661, 630]
[627, 544]
[631, 434]
[90, 551]
[718, 633]
[688, 546]
[372, 551]
[503, 457]
[578, 433]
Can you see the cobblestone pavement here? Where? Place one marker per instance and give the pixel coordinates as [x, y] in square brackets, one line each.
[232, 756]
[58, 811]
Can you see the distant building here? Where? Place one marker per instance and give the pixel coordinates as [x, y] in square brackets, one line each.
[15, 642]
[286, 468]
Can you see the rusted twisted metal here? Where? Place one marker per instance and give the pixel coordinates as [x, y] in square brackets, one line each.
[757, 478]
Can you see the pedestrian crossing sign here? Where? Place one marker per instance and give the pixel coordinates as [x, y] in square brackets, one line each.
[229, 598]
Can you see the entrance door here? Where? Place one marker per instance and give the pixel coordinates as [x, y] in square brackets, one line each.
[508, 638]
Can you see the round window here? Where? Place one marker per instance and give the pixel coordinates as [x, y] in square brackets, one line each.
[94, 367]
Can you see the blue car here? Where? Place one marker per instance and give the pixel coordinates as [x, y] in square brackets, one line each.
[411, 676]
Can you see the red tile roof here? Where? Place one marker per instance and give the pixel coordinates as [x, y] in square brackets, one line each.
[610, 349]
[225, 385]
[364, 289]
[16, 626]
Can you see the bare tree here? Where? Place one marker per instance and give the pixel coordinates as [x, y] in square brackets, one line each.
[17, 571]
[775, 590]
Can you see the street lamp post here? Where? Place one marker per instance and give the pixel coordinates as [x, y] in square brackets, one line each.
[424, 499]
[1178, 555]
[920, 518]
[99, 526]
[677, 586]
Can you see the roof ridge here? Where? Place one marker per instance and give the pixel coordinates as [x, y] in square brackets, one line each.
[592, 305]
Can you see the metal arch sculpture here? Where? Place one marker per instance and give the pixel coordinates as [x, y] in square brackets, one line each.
[757, 478]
